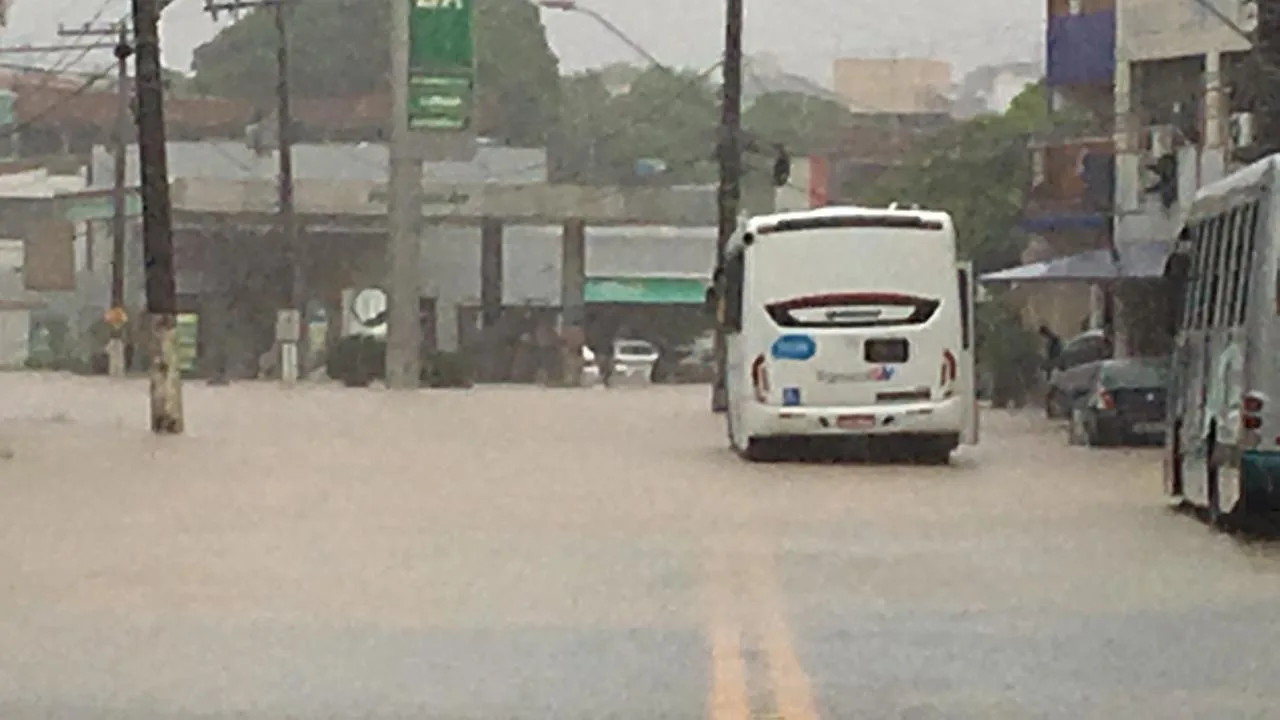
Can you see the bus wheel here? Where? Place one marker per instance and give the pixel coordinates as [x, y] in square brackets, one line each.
[934, 450]
[935, 454]
[1173, 474]
[763, 450]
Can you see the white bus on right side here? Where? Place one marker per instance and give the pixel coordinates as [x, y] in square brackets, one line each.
[1222, 448]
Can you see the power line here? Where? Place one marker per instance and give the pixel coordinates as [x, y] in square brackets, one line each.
[14, 128]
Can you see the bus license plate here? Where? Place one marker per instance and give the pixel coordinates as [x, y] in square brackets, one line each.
[855, 422]
[1148, 428]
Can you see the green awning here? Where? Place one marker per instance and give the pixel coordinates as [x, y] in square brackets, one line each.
[646, 291]
[97, 206]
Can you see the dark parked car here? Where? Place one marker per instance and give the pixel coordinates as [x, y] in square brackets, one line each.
[1072, 373]
[1125, 402]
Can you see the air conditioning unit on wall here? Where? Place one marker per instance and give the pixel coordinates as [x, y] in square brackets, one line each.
[1240, 132]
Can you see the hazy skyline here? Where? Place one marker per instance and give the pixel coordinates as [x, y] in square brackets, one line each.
[805, 35]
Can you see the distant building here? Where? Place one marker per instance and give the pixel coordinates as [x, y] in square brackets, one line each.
[894, 86]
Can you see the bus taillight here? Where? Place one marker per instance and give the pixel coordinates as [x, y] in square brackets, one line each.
[1251, 403]
[760, 379]
[949, 368]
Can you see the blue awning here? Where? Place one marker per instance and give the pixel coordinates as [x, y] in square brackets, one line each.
[1136, 261]
[1064, 221]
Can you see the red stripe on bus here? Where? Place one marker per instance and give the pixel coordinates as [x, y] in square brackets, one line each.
[845, 299]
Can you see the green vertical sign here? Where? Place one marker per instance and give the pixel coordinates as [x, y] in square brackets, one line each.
[441, 65]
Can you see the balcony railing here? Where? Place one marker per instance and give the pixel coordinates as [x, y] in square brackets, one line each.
[1075, 177]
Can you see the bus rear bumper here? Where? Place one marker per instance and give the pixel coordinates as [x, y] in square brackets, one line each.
[944, 417]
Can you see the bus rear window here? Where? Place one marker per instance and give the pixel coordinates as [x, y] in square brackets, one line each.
[850, 310]
[899, 222]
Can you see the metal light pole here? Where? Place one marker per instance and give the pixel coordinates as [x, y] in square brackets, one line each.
[573, 6]
[404, 332]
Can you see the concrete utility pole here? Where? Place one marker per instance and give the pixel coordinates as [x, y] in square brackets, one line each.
[1266, 50]
[730, 195]
[116, 316]
[404, 331]
[289, 321]
[157, 222]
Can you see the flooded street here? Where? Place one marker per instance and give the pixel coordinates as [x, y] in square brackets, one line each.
[524, 553]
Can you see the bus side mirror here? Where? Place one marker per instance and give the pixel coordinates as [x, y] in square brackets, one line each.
[709, 301]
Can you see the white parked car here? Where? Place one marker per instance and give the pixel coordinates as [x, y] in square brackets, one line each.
[634, 360]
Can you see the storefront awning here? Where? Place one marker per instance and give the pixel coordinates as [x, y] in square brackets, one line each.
[646, 290]
[1135, 261]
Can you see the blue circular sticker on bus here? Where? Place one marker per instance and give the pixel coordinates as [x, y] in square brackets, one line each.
[793, 347]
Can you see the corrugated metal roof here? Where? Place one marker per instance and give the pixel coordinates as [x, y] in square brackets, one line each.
[1133, 260]
[531, 258]
[364, 161]
[38, 184]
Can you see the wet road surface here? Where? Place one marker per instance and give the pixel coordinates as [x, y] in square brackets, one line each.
[521, 553]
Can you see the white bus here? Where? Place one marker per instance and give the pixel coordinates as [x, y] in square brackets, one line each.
[1222, 448]
[850, 325]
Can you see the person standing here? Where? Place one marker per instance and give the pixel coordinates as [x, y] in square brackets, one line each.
[1052, 350]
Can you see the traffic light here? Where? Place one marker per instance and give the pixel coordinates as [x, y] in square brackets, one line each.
[1165, 168]
[781, 167]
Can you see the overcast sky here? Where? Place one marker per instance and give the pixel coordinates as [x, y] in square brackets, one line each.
[805, 34]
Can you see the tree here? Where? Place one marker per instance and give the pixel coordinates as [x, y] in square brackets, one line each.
[979, 172]
[665, 116]
[803, 123]
[340, 49]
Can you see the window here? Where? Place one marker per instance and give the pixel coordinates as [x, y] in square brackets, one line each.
[1192, 280]
[1248, 245]
[1213, 271]
[1241, 265]
[1201, 274]
[1231, 264]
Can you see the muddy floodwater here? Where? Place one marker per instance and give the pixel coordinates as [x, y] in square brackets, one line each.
[525, 553]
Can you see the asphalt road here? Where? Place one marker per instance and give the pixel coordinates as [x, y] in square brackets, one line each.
[521, 553]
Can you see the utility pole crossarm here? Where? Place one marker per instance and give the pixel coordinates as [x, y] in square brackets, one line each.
[29, 49]
[88, 30]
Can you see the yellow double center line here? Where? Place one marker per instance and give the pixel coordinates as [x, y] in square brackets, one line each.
[745, 600]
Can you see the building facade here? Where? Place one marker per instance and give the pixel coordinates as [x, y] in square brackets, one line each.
[893, 86]
[1070, 202]
[1182, 121]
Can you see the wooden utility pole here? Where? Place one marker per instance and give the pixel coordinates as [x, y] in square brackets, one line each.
[290, 320]
[157, 222]
[730, 155]
[116, 315]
